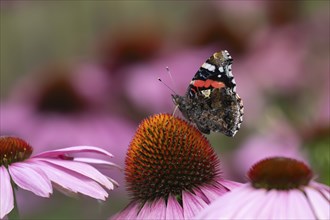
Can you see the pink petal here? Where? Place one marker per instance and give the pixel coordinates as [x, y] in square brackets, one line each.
[130, 212]
[198, 192]
[324, 189]
[114, 182]
[231, 204]
[246, 204]
[319, 203]
[265, 206]
[153, 210]
[280, 206]
[229, 184]
[298, 207]
[81, 168]
[222, 207]
[212, 192]
[96, 162]
[173, 209]
[192, 205]
[31, 178]
[72, 181]
[76, 149]
[6, 193]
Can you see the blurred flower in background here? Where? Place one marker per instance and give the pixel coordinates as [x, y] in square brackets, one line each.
[85, 73]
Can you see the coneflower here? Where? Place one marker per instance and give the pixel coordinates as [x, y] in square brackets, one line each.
[279, 188]
[171, 170]
[39, 172]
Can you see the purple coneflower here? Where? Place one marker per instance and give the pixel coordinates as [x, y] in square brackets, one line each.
[279, 188]
[171, 171]
[60, 167]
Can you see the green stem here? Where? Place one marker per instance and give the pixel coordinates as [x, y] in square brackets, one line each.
[14, 214]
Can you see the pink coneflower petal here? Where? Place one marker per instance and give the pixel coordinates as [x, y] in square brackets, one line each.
[192, 205]
[31, 178]
[229, 184]
[76, 149]
[213, 214]
[81, 168]
[264, 206]
[174, 209]
[317, 203]
[246, 204]
[6, 193]
[154, 210]
[304, 211]
[96, 162]
[243, 199]
[283, 209]
[130, 212]
[322, 188]
[72, 181]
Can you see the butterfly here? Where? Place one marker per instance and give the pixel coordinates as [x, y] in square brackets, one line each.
[211, 101]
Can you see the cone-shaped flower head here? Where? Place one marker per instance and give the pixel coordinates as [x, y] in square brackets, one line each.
[171, 171]
[37, 173]
[279, 188]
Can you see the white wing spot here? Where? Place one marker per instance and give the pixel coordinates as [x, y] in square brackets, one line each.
[221, 69]
[208, 67]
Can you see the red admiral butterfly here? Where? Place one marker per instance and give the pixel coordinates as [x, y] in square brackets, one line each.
[211, 101]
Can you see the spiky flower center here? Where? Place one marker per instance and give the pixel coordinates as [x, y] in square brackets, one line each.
[168, 156]
[280, 173]
[13, 149]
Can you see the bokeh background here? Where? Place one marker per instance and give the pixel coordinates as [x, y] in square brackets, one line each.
[85, 73]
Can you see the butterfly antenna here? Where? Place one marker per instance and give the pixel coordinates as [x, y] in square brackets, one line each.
[169, 73]
[160, 80]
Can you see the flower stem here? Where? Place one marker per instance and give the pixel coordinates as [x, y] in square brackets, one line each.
[14, 214]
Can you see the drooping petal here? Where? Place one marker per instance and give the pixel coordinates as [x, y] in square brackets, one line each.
[31, 178]
[81, 168]
[192, 205]
[76, 149]
[198, 192]
[230, 185]
[153, 210]
[213, 192]
[6, 193]
[304, 211]
[96, 162]
[129, 213]
[72, 181]
[114, 182]
[173, 209]
[319, 203]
